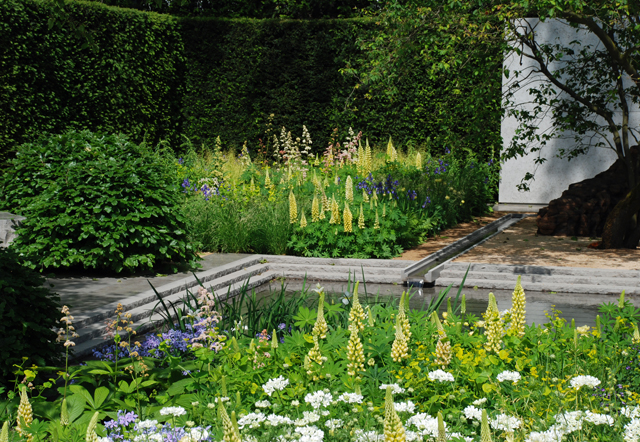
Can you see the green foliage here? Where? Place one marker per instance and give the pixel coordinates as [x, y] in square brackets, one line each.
[158, 76]
[95, 202]
[131, 83]
[28, 314]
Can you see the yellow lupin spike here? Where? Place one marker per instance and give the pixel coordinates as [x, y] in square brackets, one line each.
[355, 352]
[267, 180]
[335, 211]
[389, 149]
[314, 353]
[393, 429]
[303, 220]
[376, 224]
[369, 159]
[518, 310]
[621, 300]
[443, 352]
[399, 348]
[274, 340]
[636, 334]
[252, 186]
[347, 218]
[418, 161]
[336, 180]
[374, 198]
[493, 326]
[320, 328]
[315, 210]
[370, 317]
[365, 196]
[356, 315]
[384, 210]
[64, 414]
[402, 316]
[293, 208]
[348, 193]
[25, 414]
[436, 320]
[361, 218]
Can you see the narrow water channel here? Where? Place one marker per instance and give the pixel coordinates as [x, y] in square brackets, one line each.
[581, 307]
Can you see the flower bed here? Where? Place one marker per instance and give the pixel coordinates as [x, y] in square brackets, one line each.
[363, 372]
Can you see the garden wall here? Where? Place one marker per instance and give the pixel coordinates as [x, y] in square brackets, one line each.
[158, 77]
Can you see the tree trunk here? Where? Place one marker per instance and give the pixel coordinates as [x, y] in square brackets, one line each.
[622, 228]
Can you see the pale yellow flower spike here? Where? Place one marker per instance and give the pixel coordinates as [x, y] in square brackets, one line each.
[442, 435]
[374, 198]
[493, 327]
[443, 352]
[91, 435]
[361, 219]
[4, 434]
[436, 320]
[636, 334]
[252, 186]
[335, 211]
[361, 161]
[320, 328]
[64, 414]
[274, 340]
[348, 219]
[303, 220]
[518, 311]
[399, 348]
[418, 161]
[355, 353]
[356, 315]
[314, 353]
[389, 149]
[402, 316]
[293, 208]
[315, 210]
[267, 180]
[369, 159]
[348, 193]
[393, 429]
[228, 430]
[25, 414]
[485, 432]
[365, 196]
[376, 224]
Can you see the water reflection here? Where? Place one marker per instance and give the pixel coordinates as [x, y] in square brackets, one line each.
[581, 307]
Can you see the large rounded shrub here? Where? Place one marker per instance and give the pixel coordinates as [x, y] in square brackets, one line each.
[28, 314]
[96, 202]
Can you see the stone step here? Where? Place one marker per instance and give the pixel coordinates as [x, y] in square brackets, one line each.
[338, 276]
[541, 270]
[453, 274]
[358, 271]
[345, 262]
[539, 286]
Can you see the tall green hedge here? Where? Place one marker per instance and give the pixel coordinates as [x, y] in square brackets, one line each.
[132, 84]
[158, 77]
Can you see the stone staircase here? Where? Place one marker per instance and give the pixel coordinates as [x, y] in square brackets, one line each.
[228, 281]
[542, 279]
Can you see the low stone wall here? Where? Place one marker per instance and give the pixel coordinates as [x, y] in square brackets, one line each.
[8, 224]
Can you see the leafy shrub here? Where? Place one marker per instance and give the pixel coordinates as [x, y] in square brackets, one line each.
[28, 314]
[95, 201]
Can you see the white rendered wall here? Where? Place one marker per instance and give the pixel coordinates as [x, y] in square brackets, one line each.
[553, 176]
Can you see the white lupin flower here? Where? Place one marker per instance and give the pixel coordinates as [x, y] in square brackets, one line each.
[395, 388]
[351, 398]
[479, 401]
[506, 423]
[251, 420]
[407, 407]
[272, 385]
[263, 404]
[318, 399]
[368, 436]
[333, 424]
[441, 376]
[275, 420]
[173, 411]
[147, 424]
[472, 413]
[310, 434]
[512, 376]
[581, 381]
[427, 425]
[308, 417]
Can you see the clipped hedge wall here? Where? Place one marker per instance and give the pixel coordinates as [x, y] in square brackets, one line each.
[132, 84]
[160, 77]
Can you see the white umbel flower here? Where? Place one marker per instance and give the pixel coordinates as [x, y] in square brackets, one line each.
[512, 376]
[581, 381]
[441, 376]
[272, 385]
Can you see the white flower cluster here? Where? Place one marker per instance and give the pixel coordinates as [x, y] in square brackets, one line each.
[406, 407]
[630, 412]
[318, 399]
[441, 376]
[274, 420]
[251, 420]
[308, 417]
[368, 436]
[505, 423]
[512, 376]
[333, 424]
[581, 381]
[426, 425]
[310, 434]
[351, 398]
[143, 425]
[272, 385]
[479, 401]
[567, 423]
[173, 411]
[395, 388]
[632, 430]
[472, 413]
[263, 404]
